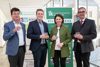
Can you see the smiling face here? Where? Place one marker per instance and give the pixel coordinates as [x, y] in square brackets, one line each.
[15, 15]
[81, 13]
[39, 15]
[58, 20]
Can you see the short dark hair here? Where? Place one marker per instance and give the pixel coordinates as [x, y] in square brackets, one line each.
[14, 9]
[39, 10]
[58, 15]
[81, 8]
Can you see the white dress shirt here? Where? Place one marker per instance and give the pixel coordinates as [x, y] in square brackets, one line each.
[42, 30]
[20, 34]
[83, 20]
[57, 40]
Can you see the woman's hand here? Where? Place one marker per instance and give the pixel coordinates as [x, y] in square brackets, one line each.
[54, 37]
[60, 45]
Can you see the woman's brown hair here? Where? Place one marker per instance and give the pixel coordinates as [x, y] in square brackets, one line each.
[58, 15]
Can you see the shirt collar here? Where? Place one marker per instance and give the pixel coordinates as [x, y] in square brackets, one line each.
[60, 26]
[83, 19]
[39, 21]
[15, 22]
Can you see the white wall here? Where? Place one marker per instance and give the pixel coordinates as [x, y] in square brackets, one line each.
[2, 21]
[94, 13]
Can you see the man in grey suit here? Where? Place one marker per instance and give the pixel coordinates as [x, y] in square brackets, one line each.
[83, 32]
[14, 33]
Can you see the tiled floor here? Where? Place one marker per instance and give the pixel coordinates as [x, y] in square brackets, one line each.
[3, 58]
[28, 62]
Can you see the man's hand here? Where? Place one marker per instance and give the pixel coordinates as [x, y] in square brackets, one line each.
[79, 36]
[60, 45]
[17, 28]
[44, 36]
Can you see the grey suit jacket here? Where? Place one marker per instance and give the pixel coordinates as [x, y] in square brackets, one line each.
[88, 30]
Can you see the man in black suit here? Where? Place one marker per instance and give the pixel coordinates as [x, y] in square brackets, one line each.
[38, 33]
[83, 32]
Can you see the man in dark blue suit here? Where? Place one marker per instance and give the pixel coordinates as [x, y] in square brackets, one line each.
[14, 34]
[38, 33]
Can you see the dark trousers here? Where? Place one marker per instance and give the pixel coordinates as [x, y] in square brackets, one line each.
[82, 57]
[40, 56]
[18, 59]
[56, 58]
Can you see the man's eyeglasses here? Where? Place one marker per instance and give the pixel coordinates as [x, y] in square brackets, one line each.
[81, 12]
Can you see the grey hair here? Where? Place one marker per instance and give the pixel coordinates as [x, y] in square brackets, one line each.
[81, 8]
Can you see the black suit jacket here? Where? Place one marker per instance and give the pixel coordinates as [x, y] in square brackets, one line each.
[34, 33]
[88, 30]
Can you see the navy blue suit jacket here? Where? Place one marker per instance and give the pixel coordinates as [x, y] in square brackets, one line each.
[12, 38]
[34, 33]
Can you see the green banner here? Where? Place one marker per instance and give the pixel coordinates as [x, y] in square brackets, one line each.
[67, 14]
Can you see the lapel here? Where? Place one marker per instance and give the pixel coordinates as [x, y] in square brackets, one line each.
[60, 32]
[13, 26]
[22, 28]
[84, 22]
[56, 30]
[83, 26]
[37, 25]
[78, 26]
[44, 27]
